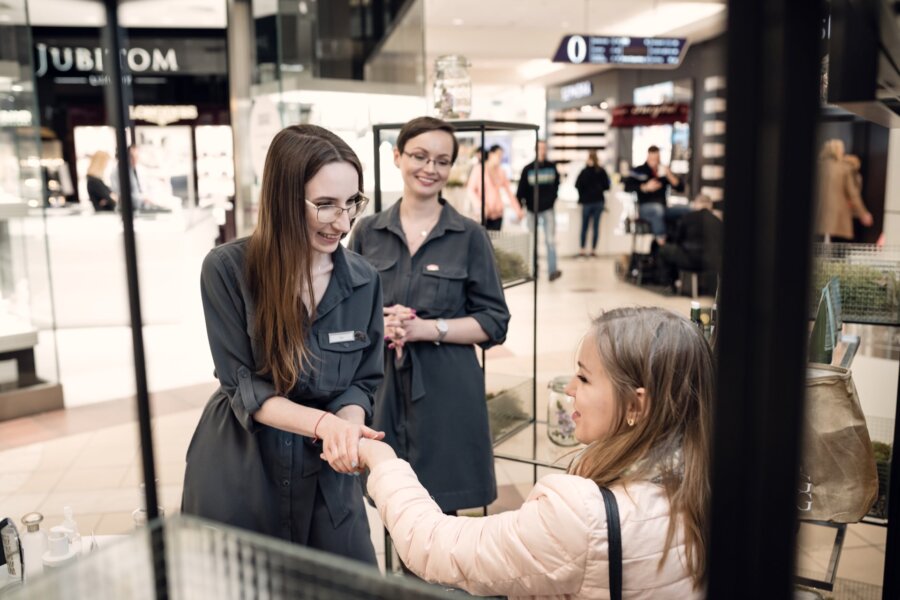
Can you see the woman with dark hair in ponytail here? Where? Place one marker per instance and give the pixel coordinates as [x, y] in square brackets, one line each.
[295, 328]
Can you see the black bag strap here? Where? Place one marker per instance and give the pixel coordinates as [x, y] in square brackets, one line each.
[615, 544]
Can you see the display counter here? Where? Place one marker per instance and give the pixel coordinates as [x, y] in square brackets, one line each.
[86, 254]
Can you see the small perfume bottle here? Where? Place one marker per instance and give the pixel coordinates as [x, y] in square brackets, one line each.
[71, 528]
[34, 544]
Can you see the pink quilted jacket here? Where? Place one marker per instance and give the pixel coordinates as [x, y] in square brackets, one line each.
[554, 546]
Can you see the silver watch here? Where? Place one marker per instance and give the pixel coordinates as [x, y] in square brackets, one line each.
[442, 328]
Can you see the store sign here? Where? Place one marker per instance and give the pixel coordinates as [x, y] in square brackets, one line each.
[90, 60]
[630, 115]
[163, 114]
[621, 50]
[576, 91]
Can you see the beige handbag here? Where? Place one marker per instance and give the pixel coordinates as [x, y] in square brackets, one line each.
[838, 481]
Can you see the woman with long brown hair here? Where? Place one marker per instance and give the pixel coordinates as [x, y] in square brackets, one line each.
[643, 392]
[295, 329]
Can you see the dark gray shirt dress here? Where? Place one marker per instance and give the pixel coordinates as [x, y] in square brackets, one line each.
[431, 405]
[256, 477]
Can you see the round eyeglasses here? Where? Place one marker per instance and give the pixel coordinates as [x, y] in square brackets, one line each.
[329, 213]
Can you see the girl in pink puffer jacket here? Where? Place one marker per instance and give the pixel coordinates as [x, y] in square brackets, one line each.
[643, 392]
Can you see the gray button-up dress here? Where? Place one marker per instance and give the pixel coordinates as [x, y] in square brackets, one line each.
[432, 405]
[253, 476]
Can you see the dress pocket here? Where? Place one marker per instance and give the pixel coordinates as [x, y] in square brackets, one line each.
[339, 359]
[443, 288]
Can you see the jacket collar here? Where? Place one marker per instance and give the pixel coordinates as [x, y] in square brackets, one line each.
[346, 276]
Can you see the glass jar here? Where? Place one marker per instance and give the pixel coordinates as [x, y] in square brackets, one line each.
[452, 87]
[560, 406]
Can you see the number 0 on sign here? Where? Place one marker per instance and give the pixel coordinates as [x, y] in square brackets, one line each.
[576, 49]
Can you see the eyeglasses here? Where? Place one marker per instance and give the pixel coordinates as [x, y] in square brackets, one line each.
[329, 213]
[421, 160]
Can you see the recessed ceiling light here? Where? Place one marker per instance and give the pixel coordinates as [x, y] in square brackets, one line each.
[303, 7]
[604, 105]
[457, 21]
[16, 87]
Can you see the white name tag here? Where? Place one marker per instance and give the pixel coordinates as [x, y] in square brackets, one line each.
[341, 336]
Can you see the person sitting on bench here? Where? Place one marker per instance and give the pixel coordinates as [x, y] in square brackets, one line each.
[697, 245]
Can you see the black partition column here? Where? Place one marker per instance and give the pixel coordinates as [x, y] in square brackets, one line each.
[118, 98]
[772, 99]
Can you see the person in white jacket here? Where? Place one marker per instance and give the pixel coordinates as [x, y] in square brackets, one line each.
[643, 393]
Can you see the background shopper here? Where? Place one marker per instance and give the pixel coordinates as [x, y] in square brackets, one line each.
[442, 295]
[652, 181]
[102, 198]
[495, 185]
[643, 396]
[295, 329]
[696, 245]
[839, 195]
[592, 184]
[543, 174]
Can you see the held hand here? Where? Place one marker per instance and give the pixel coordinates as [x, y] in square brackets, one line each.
[866, 220]
[420, 330]
[340, 442]
[398, 310]
[372, 453]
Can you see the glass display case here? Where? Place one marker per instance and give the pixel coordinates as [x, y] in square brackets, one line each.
[29, 371]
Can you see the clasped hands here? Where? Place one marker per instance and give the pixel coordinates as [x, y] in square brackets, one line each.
[351, 448]
[341, 434]
[401, 326]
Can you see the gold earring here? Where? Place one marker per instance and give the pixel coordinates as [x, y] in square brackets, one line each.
[631, 421]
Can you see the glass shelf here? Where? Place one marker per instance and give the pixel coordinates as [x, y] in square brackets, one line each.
[531, 445]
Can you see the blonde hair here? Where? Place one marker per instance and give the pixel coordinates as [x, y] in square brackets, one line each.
[665, 354]
[97, 166]
[833, 149]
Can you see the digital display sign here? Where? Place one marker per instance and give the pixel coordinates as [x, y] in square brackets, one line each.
[621, 50]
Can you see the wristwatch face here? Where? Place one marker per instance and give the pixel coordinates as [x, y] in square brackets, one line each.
[442, 326]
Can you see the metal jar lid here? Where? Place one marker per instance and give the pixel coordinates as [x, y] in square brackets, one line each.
[32, 521]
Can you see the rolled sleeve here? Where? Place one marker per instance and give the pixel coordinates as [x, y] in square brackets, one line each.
[485, 301]
[370, 372]
[229, 343]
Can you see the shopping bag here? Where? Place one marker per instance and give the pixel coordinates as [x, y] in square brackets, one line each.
[838, 480]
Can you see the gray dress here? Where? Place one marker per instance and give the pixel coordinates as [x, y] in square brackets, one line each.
[432, 405]
[256, 477]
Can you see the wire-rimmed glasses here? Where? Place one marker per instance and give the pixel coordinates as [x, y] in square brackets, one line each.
[329, 213]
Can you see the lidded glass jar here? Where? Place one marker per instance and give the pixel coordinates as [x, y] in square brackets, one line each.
[452, 87]
[560, 406]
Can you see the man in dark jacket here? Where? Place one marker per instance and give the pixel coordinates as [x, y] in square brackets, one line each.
[697, 244]
[652, 181]
[543, 174]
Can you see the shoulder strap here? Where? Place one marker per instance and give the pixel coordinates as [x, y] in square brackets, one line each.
[615, 544]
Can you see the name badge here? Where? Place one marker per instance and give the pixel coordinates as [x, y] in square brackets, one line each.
[432, 268]
[341, 336]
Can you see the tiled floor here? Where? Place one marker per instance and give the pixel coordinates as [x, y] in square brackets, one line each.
[88, 456]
